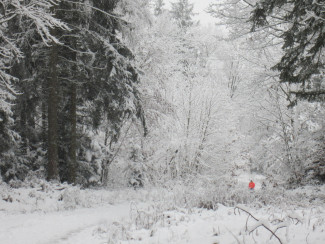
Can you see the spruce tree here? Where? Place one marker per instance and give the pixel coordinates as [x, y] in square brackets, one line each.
[24, 25]
[78, 76]
[303, 34]
[95, 69]
[182, 11]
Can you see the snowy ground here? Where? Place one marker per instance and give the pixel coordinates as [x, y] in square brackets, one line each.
[52, 215]
[224, 225]
[58, 227]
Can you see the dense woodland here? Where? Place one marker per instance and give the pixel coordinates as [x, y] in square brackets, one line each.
[129, 92]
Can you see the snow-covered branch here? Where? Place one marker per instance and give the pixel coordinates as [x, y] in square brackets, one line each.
[259, 223]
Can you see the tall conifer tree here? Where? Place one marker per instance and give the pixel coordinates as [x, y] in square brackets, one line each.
[182, 11]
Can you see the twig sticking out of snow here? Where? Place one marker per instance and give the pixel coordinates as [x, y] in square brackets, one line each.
[238, 241]
[259, 223]
[279, 226]
[295, 216]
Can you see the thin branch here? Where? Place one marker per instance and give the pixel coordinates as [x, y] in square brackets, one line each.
[97, 9]
[246, 211]
[248, 3]
[308, 93]
[7, 19]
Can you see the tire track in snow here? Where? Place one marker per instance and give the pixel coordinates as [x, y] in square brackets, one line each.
[73, 234]
[56, 227]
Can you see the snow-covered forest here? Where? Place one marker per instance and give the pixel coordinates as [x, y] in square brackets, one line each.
[132, 121]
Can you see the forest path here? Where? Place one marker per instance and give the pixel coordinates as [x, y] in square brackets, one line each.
[59, 227]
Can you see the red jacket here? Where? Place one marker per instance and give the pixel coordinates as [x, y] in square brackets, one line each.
[251, 185]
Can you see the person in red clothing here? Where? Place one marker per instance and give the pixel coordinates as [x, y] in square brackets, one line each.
[251, 185]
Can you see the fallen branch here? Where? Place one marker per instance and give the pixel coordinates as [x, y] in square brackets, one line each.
[258, 224]
[279, 226]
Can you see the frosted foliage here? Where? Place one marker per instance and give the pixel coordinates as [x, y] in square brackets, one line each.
[96, 154]
[283, 140]
[205, 98]
[36, 11]
[71, 197]
[185, 100]
[136, 13]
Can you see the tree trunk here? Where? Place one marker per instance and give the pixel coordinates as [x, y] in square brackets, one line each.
[104, 174]
[44, 118]
[53, 173]
[73, 135]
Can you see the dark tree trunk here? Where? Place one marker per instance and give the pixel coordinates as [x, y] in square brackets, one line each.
[44, 118]
[73, 134]
[52, 115]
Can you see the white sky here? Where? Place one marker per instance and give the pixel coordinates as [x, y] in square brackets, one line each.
[199, 7]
